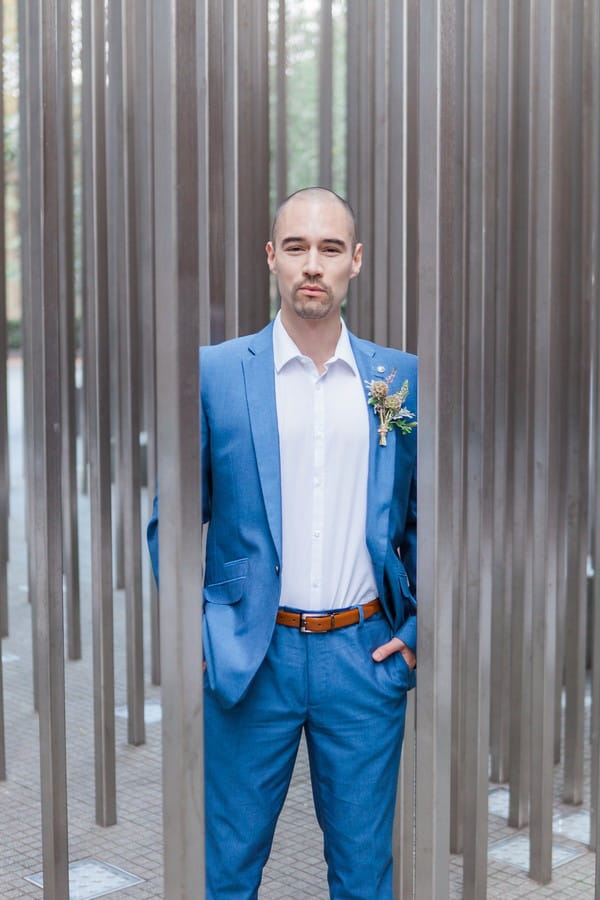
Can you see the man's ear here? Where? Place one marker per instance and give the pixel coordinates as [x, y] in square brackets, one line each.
[356, 261]
[270, 250]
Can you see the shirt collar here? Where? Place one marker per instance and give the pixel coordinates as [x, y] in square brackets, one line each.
[284, 348]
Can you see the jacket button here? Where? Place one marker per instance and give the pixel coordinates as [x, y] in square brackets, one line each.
[277, 570]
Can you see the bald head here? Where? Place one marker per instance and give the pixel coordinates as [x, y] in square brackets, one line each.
[321, 195]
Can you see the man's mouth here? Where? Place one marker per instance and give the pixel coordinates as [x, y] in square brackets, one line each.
[312, 289]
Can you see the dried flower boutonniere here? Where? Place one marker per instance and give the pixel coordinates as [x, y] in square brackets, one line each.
[390, 407]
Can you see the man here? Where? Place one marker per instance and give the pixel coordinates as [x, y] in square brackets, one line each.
[309, 612]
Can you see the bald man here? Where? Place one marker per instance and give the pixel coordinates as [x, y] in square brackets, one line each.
[309, 492]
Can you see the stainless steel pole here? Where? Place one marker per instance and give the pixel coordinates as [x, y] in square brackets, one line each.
[181, 193]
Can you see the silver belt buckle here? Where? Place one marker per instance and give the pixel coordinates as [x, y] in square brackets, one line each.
[304, 616]
[302, 627]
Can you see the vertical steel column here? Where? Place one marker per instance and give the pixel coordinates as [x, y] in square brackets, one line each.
[502, 546]
[476, 639]
[30, 189]
[181, 194]
[4, 456]
[438, 307]
[379, 248]
[281, 147]
[360, 143]
[353, 77]
[593, 28]
[456, 338]
[67, 330]
[253, 163]
[98, 421]
[130, 401]
[143, 125]
[217, 113]
[591, 272]
[87, 231]
[325, 93]
[229, 161]
[562, 259]
[395, 292]
[545, 424]
[4, 477]
[480, 200]
[223, 162]
[520, 390]
[117, 274]
[47, 470]
[577, 428]
[402, 170]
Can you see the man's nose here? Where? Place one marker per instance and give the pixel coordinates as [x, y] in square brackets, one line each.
[312, 264]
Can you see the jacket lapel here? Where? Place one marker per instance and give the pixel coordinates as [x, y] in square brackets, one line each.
[259, 375]
[381, 459]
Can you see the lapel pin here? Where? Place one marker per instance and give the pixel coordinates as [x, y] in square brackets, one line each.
[381, 369]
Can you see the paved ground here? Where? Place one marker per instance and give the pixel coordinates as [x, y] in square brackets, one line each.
[134, 844]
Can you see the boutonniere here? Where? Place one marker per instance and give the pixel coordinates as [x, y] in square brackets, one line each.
[390, 407]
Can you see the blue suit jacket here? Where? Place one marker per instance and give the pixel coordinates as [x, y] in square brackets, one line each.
[241, 494]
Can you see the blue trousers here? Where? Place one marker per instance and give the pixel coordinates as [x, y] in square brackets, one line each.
[352, 712]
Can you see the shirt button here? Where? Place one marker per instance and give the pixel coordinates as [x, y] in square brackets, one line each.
[277, 570]
[317, 533]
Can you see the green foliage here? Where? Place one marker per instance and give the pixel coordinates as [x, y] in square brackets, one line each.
[302, 86]
[13, 332]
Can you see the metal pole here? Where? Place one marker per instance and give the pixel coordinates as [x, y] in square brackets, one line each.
[144, 156]
[230, 163]
[67, 329]
[520, 390]
[438, 304]
[379, 241]
[30, 228]
[480, 36]
[4, 456]
[325, 93]
[47, 475]
[544, 426]
[98, 421]
[181, 192]
[281, 147]
[130, 404]
[593, 27]
[577, 430]
[253, 163]
[502, 546]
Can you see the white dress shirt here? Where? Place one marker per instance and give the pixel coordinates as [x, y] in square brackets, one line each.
[324, 453]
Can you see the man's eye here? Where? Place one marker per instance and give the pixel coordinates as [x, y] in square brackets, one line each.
[332, 251]
[294, 248]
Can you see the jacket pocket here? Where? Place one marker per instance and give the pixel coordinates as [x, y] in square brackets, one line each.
[229, 589]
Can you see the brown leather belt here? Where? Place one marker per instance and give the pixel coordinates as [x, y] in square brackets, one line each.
[317, 623]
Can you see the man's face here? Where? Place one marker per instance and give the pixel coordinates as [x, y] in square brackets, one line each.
[313, 257]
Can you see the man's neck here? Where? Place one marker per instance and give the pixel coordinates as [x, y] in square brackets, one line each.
[315, 338]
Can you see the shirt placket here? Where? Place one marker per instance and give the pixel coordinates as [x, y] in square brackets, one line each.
[318, 488]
